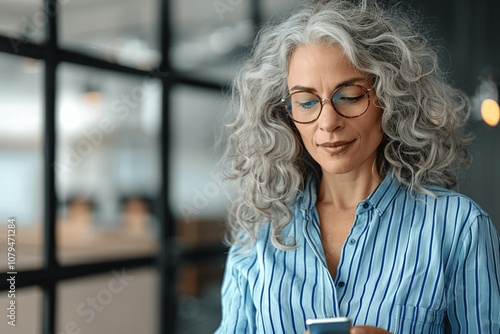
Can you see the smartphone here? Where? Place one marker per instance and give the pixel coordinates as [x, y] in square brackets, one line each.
[329, 325]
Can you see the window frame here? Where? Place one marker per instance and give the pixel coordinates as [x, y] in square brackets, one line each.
[170, 257]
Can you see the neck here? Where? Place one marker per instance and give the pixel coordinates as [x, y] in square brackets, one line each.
[345, 191]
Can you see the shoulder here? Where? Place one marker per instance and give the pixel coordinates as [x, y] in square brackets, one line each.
[438, 208]
[455, 222]
[455, 203]
[452, 211]
[244, 253]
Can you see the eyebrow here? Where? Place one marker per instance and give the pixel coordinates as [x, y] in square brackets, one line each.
[342, 83]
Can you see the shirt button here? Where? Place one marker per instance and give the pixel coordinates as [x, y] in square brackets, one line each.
[352, 241]
[341, 284]
[366, 205]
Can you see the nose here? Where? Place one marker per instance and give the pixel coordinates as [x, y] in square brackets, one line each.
[329, 120]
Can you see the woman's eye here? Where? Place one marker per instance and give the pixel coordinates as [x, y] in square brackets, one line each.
[308, 104]
[350, 99]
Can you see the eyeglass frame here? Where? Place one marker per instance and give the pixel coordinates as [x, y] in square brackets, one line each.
[323, 102]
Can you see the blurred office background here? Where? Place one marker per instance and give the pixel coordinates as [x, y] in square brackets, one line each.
[109, 112]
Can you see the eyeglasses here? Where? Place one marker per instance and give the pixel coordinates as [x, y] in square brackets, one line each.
[349, 101]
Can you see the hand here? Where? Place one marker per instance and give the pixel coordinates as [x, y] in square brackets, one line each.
[366, 330]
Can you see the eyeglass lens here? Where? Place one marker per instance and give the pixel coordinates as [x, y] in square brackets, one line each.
[349, 101]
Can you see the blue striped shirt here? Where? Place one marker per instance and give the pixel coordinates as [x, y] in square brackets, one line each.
[410, 264]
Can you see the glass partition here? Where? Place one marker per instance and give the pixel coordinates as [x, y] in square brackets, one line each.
[125, 32]
[21, 158]
[107, 164]
[23, 21]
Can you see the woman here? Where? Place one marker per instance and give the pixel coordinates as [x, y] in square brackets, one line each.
[345, 146]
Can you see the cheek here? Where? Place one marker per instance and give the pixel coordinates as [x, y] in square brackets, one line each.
[370, 132]
[375, 128]
[306, 134]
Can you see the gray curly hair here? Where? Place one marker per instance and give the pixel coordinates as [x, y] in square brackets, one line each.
[422, 117]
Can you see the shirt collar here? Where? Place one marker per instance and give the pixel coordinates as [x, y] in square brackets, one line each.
[380, 198]
[385, 193]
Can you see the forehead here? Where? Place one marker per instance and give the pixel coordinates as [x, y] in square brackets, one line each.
[318, 63]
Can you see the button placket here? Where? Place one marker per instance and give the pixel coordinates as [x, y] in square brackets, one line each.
[349, 251]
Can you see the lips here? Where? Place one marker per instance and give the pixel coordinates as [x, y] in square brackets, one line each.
[336, 147]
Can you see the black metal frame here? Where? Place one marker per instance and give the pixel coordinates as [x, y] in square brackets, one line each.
[169, 257]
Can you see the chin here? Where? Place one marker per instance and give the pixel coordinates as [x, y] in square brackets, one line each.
[335, 169]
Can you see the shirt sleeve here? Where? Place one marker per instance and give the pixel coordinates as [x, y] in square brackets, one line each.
[474, 291]
[235, 301]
